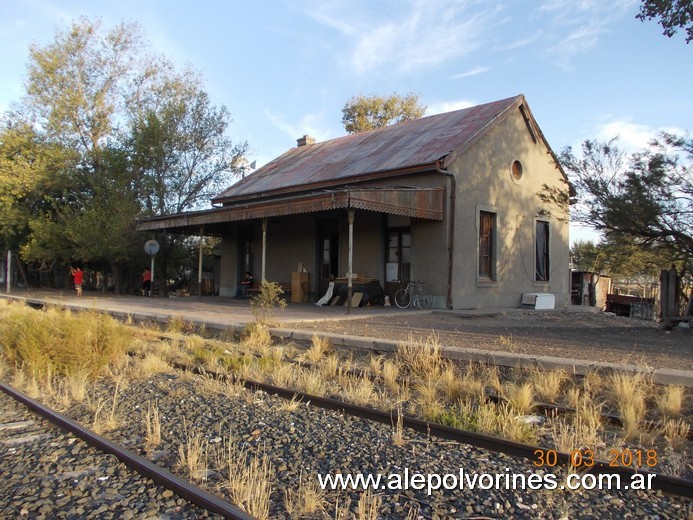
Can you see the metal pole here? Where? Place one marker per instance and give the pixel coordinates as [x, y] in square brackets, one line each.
[151, 283]
[264, 247]
[199, 266]
[9, 271]
[350, 287]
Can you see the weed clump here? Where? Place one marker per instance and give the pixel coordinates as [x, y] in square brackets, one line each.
[61, 342]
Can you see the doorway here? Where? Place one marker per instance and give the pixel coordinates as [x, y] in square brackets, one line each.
[246, 251]
[398, 260]
[328, 253]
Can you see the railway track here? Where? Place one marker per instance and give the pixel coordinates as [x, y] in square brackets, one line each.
[667, 484]
[23, 434]
[305, 440]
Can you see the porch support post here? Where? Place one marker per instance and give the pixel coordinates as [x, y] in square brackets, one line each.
[350, 286]
[199, 266]
[264, 248]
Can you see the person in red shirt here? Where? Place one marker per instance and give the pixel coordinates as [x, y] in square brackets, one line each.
[77, 276]
[146, 281]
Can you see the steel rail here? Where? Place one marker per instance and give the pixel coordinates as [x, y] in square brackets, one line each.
[665, 483]
[139, 464]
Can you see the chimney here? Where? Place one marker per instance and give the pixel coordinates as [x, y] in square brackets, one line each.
[305, 140]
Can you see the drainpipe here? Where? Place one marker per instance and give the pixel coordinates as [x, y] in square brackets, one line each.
[451, 236]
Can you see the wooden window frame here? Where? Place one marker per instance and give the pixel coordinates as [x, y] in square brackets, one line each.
[486, 242]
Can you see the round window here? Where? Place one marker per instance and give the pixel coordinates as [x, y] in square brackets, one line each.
[516, 170]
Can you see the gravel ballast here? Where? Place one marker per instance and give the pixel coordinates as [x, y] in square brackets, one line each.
[307, 441]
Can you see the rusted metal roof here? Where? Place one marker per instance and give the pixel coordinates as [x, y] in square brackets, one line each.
[417, 144]
[426, 203]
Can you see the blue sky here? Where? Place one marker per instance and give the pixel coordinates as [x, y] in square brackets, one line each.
[588, 68]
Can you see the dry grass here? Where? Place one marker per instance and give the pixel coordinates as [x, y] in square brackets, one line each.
[520, 397]
[390, 374]
[670, 400]
[284, 376]
[106, 419]
[427, 399]
[306, 499]
[491, 377]
[152, 423]
[151, 364]
[249, 482]
[451, 384]
[359, 390]
[330, 366]
[675, 431]
[319, 348]
[192, 456]
[290, 406]
[375, 364]
[420, 359]
[178, 325]
[256, 335]
[547, 383]
[369, 506]
[398, 438]
[61, 341]
[311, 382]
[627, 394]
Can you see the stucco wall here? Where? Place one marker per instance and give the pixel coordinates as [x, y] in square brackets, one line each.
[290, 240]
[484, 182]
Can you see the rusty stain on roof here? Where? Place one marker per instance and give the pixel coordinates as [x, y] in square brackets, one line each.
[416, 143]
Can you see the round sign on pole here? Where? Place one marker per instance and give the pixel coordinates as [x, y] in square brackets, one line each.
[151, 247]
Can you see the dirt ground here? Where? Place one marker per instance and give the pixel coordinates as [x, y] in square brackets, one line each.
[594, 337]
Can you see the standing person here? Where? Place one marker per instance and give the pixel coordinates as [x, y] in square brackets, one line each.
[146, 281]
[246, 282]
[77, 276]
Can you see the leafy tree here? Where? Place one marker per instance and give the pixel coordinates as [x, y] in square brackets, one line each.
[584, 255]
[673, 15]
[32, 178]
[179, 149]
[179, 146]
[75, 93]
[644, 199]
[107, 133]
[362, 113]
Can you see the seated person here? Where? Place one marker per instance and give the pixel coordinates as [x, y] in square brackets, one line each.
[246, 282]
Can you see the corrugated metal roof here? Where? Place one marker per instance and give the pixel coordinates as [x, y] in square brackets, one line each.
[411, 144]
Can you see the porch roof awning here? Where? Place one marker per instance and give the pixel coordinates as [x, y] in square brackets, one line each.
[425, 203]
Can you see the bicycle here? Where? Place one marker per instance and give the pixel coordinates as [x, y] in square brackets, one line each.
[414, 295]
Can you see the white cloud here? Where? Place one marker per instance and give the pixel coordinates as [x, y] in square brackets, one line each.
[632, 137]
[578, 25]
[426, 33]
[448, 106]
[308, 124]
[472, 72]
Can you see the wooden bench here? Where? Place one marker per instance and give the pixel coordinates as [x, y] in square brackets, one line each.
[285, 286]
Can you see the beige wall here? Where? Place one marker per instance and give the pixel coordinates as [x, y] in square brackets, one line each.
[290, 240]
[484, 182]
